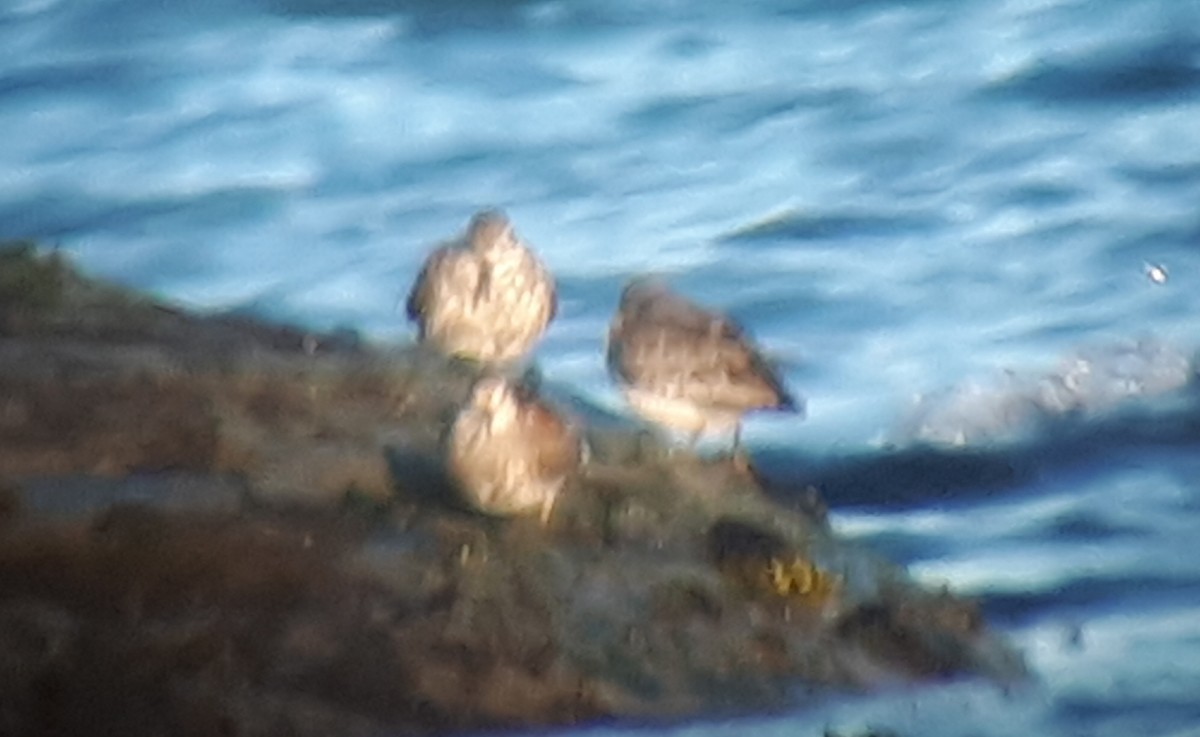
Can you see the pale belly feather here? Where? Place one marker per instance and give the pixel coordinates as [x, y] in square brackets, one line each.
[681, 414]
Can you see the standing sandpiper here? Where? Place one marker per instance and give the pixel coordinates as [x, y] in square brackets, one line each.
[484, 296]
[509, 452]
[686, 367]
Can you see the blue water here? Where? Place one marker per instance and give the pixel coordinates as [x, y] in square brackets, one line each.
[941, 218]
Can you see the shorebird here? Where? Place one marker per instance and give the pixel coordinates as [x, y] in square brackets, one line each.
[686, 367]
[484, 296]
[509, 452]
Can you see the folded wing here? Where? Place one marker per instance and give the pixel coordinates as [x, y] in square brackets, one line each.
[679, 349]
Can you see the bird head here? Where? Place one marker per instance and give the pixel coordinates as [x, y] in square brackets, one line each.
[491, 234]
[496, 398]
[641, 290]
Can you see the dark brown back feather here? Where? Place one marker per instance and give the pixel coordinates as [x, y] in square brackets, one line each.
[660, 339]
[419, 295]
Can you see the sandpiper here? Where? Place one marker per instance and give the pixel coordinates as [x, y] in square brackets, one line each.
[509, 452]
[686, 367]
[484, 296]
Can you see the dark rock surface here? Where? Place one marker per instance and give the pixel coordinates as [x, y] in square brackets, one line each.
[211, 525]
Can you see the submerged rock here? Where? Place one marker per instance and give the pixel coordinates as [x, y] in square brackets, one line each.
[211, 525]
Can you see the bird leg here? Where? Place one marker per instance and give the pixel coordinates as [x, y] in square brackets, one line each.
[739, 456]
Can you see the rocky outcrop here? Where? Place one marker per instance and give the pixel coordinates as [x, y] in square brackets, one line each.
[211, 525]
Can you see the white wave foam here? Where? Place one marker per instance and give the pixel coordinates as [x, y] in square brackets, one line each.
[1091, 381]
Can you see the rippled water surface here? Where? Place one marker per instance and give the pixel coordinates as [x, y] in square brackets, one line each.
[949, 222]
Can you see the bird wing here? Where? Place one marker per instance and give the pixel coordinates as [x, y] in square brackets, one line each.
[541, 278]
[555, 443]
[553, 306]
[680, 349]
[439, 263]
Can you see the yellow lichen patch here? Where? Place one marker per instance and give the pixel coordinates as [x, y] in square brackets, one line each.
[764, 564]
[797, 577]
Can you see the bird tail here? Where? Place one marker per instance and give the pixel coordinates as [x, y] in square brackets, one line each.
[789, 403]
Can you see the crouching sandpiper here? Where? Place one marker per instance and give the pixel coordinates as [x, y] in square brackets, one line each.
[509, 452]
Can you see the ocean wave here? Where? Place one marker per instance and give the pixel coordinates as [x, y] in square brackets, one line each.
[1093, 380]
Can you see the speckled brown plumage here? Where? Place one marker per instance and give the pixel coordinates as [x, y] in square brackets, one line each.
[484, 296]
[509, 452]
[686, 367]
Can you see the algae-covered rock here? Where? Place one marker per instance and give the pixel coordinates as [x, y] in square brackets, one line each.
[30, 284]
[210, 524]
